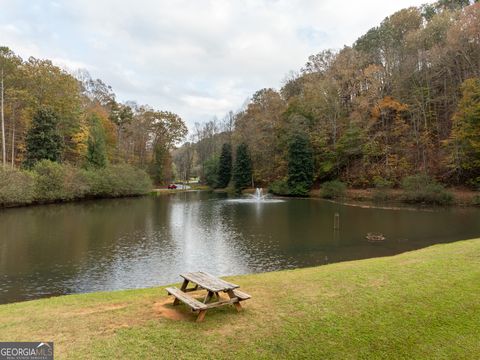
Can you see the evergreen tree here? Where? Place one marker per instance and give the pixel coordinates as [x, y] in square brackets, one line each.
[43, 140]
[225, 166]
[300, 166]
[158, 168]
[97, 149]
[211, 172]
[242, 172]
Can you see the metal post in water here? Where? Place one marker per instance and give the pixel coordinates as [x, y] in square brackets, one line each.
[336, 221]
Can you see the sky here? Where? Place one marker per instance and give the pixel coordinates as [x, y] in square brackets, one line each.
[197, 58]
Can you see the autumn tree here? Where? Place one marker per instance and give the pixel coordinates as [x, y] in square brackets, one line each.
[464, 141]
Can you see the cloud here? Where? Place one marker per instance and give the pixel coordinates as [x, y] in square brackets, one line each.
[197, 58]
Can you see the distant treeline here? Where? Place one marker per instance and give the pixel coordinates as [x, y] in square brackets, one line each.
[404, 99]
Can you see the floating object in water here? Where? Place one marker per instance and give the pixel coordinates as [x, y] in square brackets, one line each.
[375, 237]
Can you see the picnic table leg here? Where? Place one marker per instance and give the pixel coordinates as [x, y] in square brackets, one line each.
[217, 294]
[208, 297]
[184, 286]
[237, 304]
[201, 315]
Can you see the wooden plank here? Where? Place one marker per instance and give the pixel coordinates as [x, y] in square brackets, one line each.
[241, 295]
[222, 303]
[209, 282]
[184, 286]
[186, 299]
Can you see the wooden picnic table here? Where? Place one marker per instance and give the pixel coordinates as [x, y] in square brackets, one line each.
[214, 287]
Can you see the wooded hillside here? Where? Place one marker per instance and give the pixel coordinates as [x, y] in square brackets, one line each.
[403, 99]
[88, 118]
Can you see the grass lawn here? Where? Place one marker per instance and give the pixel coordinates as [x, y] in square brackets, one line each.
[419, 305]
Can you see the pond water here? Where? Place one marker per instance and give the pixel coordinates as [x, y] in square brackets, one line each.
[142, 242]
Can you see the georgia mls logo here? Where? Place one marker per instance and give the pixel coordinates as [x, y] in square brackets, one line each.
[26, 351]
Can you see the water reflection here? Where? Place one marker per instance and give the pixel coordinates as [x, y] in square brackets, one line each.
[131, 243]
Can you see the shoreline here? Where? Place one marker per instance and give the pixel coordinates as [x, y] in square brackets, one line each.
[362, 197]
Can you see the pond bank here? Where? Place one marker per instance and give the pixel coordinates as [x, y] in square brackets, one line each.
[461, 197]
[421, 304]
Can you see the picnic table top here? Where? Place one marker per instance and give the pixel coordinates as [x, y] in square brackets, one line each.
[208, 282]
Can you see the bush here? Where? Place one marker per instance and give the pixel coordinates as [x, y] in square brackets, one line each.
[279, 187]
[117, 180]
[476, 200]
[16, 187]
[333, 189]
[422, 189]
[49, 181]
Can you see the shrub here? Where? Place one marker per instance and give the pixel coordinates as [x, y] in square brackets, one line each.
[333, 189]
[422, 189]
[117, 180]
[476, 200]
[16, 187]
[49, 181]
[74, 183]
[279, 187]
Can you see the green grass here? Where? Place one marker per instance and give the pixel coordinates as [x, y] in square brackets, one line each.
[419, 305]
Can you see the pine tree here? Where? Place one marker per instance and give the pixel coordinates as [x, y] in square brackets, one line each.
[158, 167]
[43, 140]
[300, 166]
[242, 172]
[210, 176]
[97, 148]
[225, 166]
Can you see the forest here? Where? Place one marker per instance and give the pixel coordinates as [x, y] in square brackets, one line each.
[403, 100]
[65, 136]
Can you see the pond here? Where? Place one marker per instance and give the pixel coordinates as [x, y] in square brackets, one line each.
[142, 242]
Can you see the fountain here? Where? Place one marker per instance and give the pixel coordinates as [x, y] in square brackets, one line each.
[258, 195]
[257, 198]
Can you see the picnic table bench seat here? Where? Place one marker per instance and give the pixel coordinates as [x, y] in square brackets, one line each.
[241, 295]
[186, 299]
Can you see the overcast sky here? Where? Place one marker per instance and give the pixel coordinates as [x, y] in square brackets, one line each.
[198, 58]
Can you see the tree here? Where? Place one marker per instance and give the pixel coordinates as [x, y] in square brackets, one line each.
[225, 166]
[464, 141]
[97, 149]
[300, 166]
[43, 139]
[158, 168]
[210, 176]
[242, 172]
